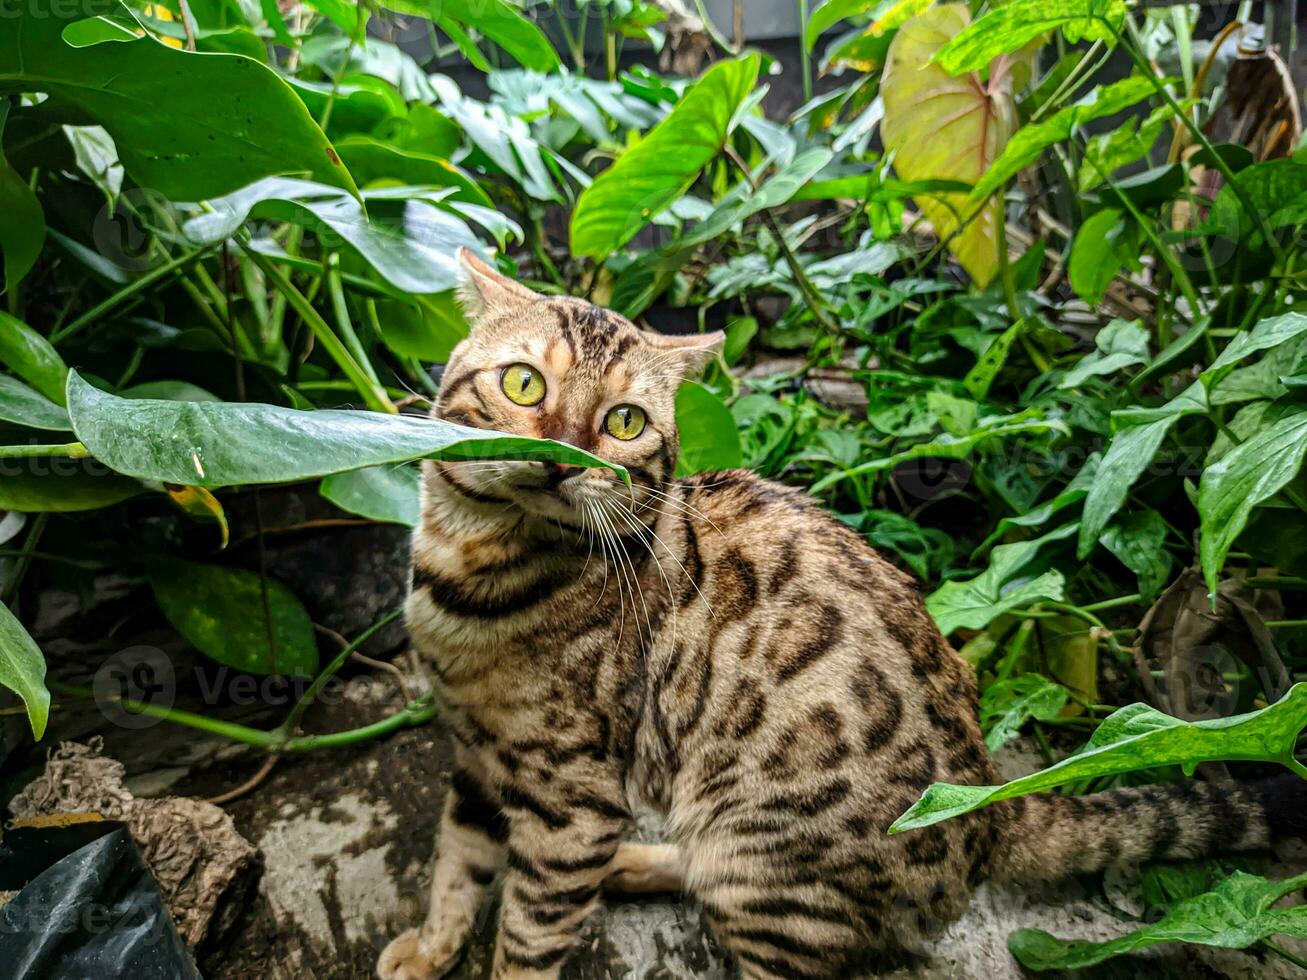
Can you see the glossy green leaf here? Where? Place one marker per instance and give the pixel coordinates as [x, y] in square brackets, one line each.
[370, 160]
[382, 493]
[657, 170]
[709, 437]
[1006, 584]
[743, 202]
[221, 611]
[1138, 540]
[1132, 449]
[498, 20]
[32, 358]
[1104, 245]
[1236, 914]
[22, 232]
[411, 243]
[832, 12]
[215, 444]
[1268, 333]
[1120, 344]
[1135, 737]
[22, 670]
[61, 486]
[189, 125]
[1031, 140]
[1246, 476]
[1010, 27]
[21, 405]
[1008, 705]
[426, 329]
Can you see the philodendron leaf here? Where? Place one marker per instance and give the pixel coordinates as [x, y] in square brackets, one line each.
[62, 486]
[498, 20]
[1121, 344]
[221, 611]
[1237, 913]
[191, 126]
[1006, 584]
[1012, 26]
[411, 243]
[1007, 705]
[22, 233]
[32, 358]
[1104, 245]
[710, 439]
[1031, 140]
[942, 127]
[216, 444]
[1135, 737]
[22, 670]
[657, 170]
[1248, 475]
[21, 405]
[382, 493]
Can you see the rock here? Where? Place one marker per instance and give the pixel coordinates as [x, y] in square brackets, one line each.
[203, 866]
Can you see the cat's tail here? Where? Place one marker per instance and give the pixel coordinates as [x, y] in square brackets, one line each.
[1048, 836]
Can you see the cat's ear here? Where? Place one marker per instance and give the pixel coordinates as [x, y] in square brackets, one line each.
[696, 350]
[485, 291]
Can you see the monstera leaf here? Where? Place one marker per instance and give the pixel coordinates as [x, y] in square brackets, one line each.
[945, 127]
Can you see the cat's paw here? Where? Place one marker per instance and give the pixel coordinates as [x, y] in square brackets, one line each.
[408, 957]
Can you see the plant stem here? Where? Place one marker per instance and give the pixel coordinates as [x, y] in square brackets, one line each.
[1285, 623]
[1125, 600]
[127, 292]
[69, 450]
[343, 321]
[25, 556]
[372, 392]
[817, 303]
[1236, 188]
[805, 57]
[287, 727]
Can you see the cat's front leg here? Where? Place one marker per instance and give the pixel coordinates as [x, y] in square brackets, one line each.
[470, 852]
[559, 850]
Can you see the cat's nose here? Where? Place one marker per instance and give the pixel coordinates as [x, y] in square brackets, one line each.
[558, 472]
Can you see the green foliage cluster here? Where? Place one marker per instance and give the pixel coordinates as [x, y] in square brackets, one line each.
[229, 226]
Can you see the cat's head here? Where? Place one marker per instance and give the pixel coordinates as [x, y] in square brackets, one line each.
[561, 368]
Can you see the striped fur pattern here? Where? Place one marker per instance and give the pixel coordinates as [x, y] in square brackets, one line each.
[719, 648]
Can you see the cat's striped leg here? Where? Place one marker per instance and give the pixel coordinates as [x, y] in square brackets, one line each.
[470, 852]
[559, 852]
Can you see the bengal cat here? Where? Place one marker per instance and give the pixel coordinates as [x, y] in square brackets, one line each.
[716, 647]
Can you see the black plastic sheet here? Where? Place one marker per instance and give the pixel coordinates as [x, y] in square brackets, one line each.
[87, 906]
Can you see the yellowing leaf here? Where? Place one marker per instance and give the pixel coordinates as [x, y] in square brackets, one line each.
[202, 505]
[941, 126]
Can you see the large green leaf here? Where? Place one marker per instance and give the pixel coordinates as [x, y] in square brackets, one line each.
[941, 127]
[1012, 26]
[1248, 475]
[383, 493]
[22, 670]
[189, 125]
[1236, 914]
[221, 611]
[21, 405]
[1138, 539]
[61, 486]
[709, 437]
[1006, 584]
[214, 444]
[1028, 142]
[32, 358]
[372, 160]
[657, 170]
[498, 20]
[22, 232]
[1271, 332]
[1132, 449]
[1135, 737]
[411, 243]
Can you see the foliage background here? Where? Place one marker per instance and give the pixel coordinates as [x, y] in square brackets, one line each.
[1015, 291]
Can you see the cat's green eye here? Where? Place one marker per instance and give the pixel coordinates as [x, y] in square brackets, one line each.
[625, 422]
[523, 384]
